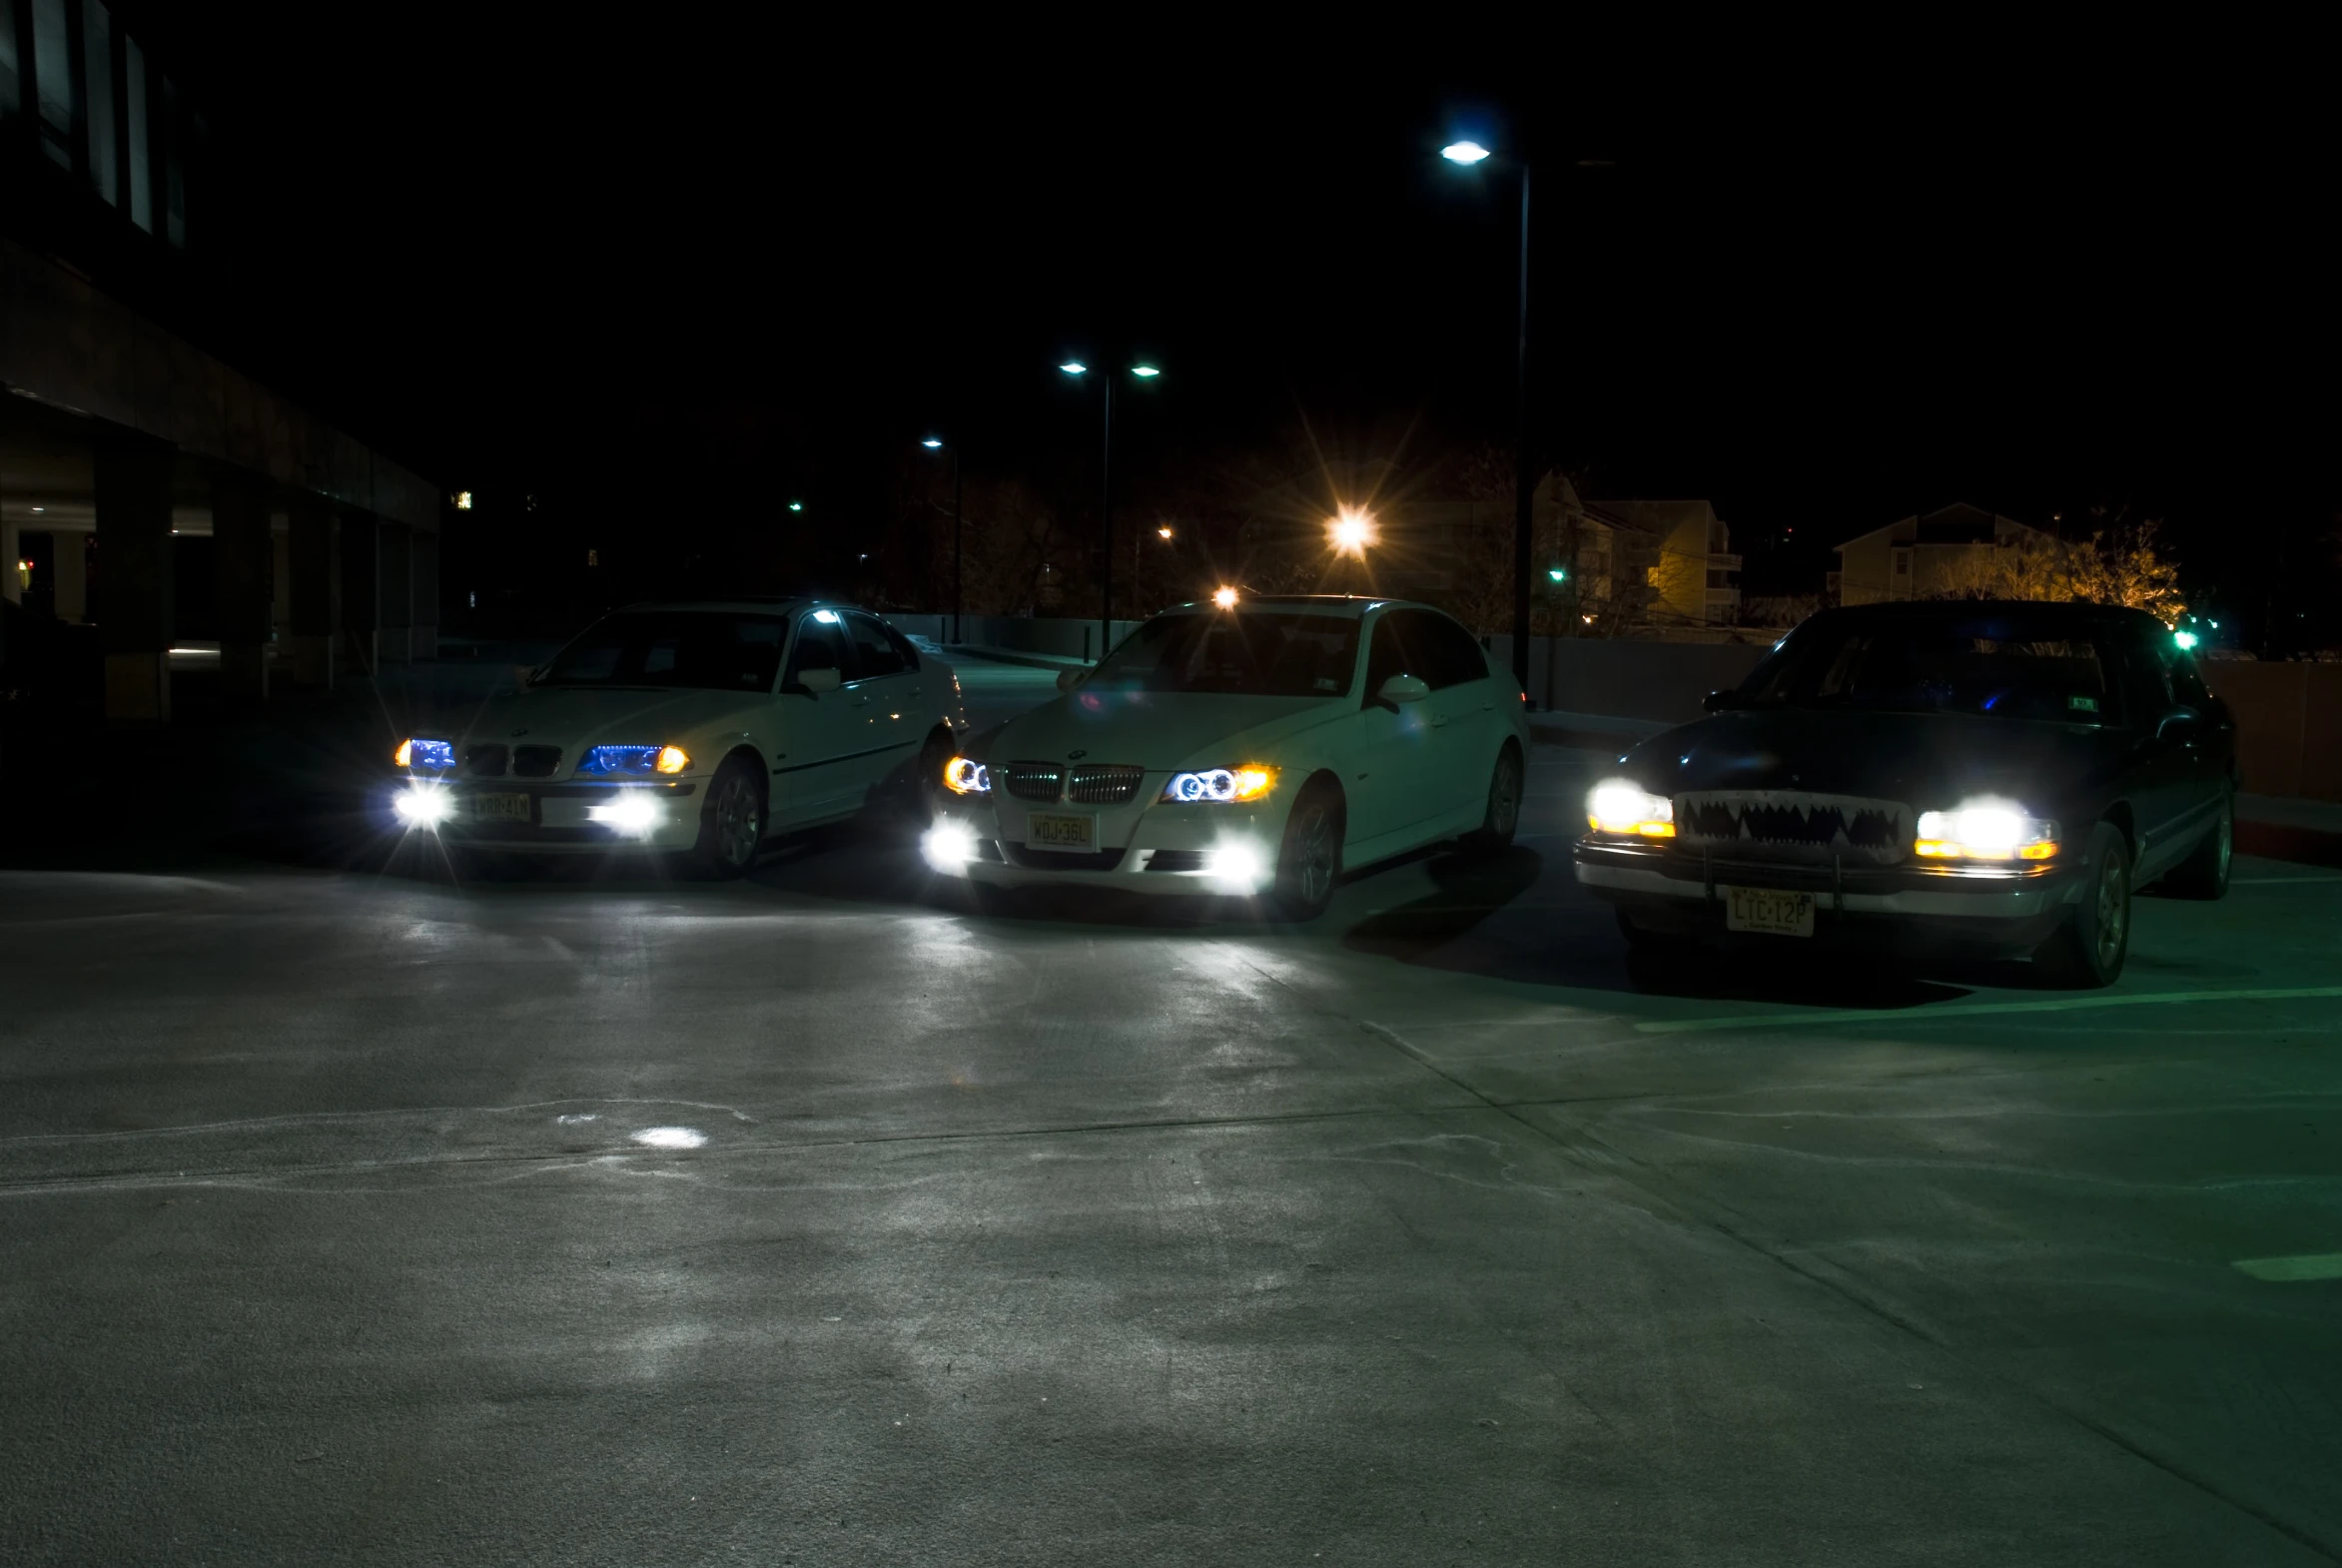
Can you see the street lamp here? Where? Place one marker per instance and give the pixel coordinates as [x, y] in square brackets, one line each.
[1467, 154]
[1350, 532]
[1145, 371]
[935, 443]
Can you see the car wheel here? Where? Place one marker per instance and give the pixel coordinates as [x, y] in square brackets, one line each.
[1309, 861]
[2089, 948]
[1502, 819]
[2204, 872]
[731, 823]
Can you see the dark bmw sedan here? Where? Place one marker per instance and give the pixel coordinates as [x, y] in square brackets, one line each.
[1989, 777]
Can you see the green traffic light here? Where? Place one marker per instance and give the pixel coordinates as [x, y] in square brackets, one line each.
[1557, 573]
[796, 505]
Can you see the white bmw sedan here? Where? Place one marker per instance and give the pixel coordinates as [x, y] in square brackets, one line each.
[702, 727]
[1257, 748]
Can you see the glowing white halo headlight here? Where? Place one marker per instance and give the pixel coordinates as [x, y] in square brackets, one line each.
[1984, 830]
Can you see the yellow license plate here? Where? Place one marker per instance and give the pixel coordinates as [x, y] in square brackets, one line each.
[1770, 912]
[1061, 832]
[500, 808]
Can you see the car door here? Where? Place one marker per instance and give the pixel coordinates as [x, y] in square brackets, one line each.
[2201, 750]
[2166, 761]
[1463, 707]
[820, 731]
[1392, 788]
[889, 693]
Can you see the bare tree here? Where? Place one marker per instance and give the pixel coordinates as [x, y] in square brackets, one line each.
[2121, 563]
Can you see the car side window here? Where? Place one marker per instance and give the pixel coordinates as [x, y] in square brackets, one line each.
[1452, 656]
[874, 653]
[1389, 653]
[820, 645]
[902, 646]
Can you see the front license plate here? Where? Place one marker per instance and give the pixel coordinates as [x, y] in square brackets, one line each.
[1061, 832]
[1767, 911]
[500, 808]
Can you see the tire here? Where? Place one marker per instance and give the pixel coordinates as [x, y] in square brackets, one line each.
[1502, 819]
[2089, 948]
[731, 820]
[2204, 872]
[1308, 862]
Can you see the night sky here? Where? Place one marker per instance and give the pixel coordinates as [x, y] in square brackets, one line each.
[1822, 292]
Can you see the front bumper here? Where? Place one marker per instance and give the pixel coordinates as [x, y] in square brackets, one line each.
[1997, 908]
[1146, 845]
[559, 816]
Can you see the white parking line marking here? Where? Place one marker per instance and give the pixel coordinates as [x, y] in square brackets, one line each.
[1952, 1014]
[2288, 1270]
[2270, 882]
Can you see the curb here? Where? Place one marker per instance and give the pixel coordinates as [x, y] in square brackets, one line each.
[2281, 841]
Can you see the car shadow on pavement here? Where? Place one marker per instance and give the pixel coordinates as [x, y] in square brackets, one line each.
[1479, 922]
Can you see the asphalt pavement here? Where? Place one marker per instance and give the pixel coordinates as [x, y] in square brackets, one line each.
[349, 1214]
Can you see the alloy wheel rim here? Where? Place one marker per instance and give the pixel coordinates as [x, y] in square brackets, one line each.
[1504, 804]
[2227, 843]
[2113, 912]
[737, 816]
[1316, 859]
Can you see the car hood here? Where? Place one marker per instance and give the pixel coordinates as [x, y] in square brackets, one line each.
[1158, 730]
[571, 716]
[1925, 760]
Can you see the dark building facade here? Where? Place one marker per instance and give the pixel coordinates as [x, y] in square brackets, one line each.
[181, 510]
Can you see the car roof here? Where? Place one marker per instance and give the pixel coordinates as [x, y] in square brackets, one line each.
[1344, 604]
[739, 605]
[1969, 609]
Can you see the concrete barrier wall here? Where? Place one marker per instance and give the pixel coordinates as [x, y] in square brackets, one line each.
[1629, 680]
[2288, 725]
[1063, 638]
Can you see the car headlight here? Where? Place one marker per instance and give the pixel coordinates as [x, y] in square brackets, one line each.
[1986, 830]
[633, 761]
[421, 805]
[426, 756]
[966, 776]
[1246, 782]
[1622, 806]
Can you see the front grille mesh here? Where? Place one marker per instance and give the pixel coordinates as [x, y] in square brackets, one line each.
[535, 762]
[1034, 780]
[485, 762]
[1104, 784]
[1792, 825]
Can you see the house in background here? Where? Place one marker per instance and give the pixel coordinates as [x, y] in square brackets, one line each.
[1690, 566]
[1926, 555]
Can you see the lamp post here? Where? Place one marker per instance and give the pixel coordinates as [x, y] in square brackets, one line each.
[935, 443]
[1105, 534]
[1466, 154]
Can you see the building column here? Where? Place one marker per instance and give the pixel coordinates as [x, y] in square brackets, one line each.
[312, 584]
[397, 577]
[361, 589]
[132, 492]
[243, 565]
[426, 596]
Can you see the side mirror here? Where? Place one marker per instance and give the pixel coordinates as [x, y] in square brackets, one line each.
[1069, 679]
[1721, 701]
[815, 682]
[1404, 688]
[2182, 723]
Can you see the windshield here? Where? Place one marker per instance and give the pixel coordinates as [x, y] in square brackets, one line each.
[1992, 667]
[705, 651]
[1255, 654]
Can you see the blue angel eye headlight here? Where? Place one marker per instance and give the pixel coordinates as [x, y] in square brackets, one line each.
[426, 756]
[620, 761]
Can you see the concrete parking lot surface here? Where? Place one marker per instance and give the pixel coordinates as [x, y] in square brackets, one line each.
[602, 1217]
